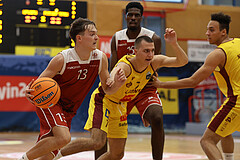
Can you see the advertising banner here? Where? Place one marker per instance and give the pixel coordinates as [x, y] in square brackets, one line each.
[105, 45]
[198, 50]
[169, 97]
[38, 50]
[12, 95]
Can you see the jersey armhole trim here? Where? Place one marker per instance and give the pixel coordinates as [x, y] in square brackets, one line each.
[64, 64]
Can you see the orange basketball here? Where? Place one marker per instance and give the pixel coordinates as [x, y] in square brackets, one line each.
[46, 92]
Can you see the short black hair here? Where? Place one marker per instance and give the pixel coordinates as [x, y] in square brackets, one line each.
[223, 20]
[79, 26]
[140, 39]
[134, 5]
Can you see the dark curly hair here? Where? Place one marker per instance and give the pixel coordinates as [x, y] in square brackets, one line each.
[134, 5]
[222, 19]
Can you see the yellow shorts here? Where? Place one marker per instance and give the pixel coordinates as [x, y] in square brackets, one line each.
[227, 118]
[107, 115]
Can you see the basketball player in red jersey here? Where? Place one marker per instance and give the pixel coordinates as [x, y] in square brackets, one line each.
[147, 102]
[75, 70]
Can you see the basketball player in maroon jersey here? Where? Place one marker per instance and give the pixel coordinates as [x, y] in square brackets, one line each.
[75, 70]
[147, 102]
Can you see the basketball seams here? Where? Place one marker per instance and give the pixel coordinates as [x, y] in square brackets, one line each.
[51, 98]
[47, 92]
[44, 90]
[31, 87]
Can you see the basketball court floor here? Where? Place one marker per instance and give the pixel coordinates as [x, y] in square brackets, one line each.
[177, 147]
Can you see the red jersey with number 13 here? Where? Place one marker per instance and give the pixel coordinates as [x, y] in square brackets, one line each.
[77, 77]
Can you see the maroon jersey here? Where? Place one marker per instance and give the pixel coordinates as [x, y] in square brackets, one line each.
[76, 78]
[125, 46]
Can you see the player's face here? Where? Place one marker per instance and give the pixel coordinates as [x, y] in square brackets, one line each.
[145, 52]
[133, 18]
[90, 37]
[214, 35]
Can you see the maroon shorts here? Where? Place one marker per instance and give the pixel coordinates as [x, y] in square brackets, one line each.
[50, 118]
[146, 98]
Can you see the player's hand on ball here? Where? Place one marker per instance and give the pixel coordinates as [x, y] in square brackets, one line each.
[28, 91]
[46, 92]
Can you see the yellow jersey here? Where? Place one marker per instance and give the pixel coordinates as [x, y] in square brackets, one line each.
[228, 78]
[135, 82]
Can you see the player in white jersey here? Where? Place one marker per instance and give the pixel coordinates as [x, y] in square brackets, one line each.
[75, 70]
[125, 45]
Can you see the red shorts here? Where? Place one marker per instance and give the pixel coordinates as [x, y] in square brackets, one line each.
[147, 97]
[50, 118]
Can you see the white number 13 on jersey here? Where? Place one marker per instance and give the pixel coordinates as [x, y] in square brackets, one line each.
[82, 74]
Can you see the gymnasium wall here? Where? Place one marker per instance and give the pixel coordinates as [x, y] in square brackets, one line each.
[16, 113]
[190, 22]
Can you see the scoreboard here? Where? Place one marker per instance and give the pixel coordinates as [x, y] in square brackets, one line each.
[37, 22]
[49, 12]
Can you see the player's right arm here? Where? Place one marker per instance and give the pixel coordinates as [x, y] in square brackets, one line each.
[118, 76]
[53, 68]
[215, 59]
[113, 59]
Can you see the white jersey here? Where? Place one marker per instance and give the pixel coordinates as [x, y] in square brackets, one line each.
[70, 55]
[124, 45]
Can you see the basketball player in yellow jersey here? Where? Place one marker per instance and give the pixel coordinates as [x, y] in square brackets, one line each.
[224, 62]
[107, 113]
[138, 69]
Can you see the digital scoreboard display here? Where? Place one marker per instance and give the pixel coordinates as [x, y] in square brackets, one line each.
[50, 12]
[37, 22]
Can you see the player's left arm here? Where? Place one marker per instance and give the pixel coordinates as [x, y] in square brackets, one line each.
[181, 58]
[113, 58]
[157, 44]
[111, 84]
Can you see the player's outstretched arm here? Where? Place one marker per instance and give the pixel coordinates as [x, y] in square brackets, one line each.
[215, 59]
[181, 58]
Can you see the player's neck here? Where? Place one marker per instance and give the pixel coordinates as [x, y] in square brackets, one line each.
[137, 66]
[83, 53]
[132, 34]
[227, 39]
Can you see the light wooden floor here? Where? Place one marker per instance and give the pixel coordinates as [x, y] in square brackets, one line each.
[177, 147]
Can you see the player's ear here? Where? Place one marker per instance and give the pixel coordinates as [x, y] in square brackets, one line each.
[125, 14]
[78, 37]
[135, 51]
[224, 32]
